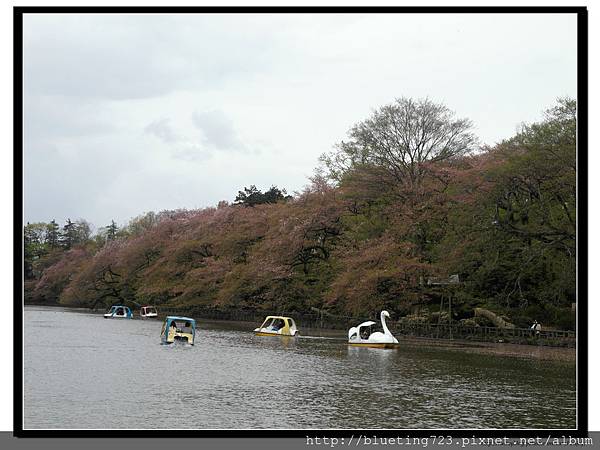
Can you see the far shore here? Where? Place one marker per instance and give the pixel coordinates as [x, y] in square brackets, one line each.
[539, 352]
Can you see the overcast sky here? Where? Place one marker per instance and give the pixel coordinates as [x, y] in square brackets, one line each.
[126, 114]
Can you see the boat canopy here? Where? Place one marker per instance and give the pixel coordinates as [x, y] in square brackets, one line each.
[119, 311]
[180, 320]
[178, 328]
[280, 325]
[275, 319]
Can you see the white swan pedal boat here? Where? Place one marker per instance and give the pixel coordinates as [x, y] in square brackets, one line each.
[360, 336]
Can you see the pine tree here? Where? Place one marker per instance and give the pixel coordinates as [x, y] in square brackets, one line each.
[69, 235]
[29, 252]
[111, 231]
[52, 236]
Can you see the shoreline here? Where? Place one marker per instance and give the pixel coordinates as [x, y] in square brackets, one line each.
[523, 351]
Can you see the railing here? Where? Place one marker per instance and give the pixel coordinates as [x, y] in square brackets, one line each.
[486, 333]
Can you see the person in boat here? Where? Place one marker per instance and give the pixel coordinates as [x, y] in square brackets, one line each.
[364, 333]
[276, 325]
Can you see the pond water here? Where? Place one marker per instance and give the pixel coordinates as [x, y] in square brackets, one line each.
[84, 371]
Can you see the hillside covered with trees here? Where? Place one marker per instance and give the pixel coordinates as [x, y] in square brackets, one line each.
[408, 198]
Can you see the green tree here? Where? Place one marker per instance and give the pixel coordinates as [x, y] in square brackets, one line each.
[536, 188]
[511, 232]
[53, 235]
[252, 196]
[111, 231]
[69, 235]
[29, 251]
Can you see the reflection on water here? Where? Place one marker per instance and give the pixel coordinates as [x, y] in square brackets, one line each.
[84, 371]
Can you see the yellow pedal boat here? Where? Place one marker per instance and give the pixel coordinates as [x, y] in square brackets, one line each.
[277, 326]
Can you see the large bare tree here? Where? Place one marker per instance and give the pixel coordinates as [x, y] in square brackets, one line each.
[400, 137]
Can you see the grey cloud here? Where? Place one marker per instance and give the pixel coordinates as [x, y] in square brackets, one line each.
[191, 152]
[50, 116]
[65, 179]
[162, 129]
[180, 146]
[217, 130]
[133, 57]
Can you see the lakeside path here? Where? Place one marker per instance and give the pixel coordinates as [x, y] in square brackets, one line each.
[492, 348]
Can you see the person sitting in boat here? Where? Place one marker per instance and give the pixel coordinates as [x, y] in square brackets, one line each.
[276, 325]
[365, 332]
